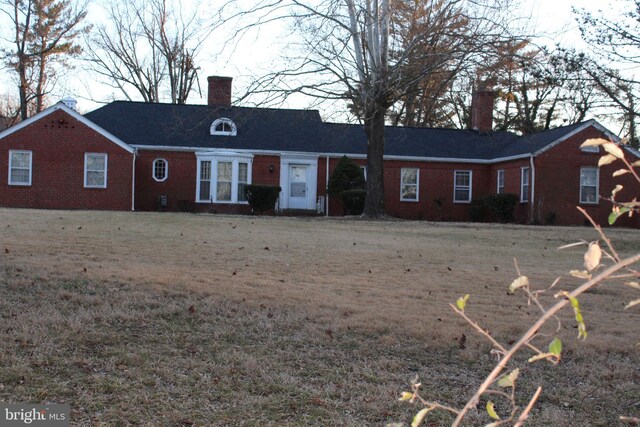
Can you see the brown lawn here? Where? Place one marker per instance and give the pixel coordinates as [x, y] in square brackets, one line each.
[180, 319]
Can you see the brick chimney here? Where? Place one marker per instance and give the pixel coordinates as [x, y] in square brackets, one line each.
[219, 91]
[482, 110]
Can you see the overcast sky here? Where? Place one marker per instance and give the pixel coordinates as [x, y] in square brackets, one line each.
[553, 18]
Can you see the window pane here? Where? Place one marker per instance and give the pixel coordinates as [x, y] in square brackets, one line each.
[588, 195]
[205, 190]
[461, 195]
[241, 195]
[409, 192]
[95, 179]
[224, 171]
[409, 176]
[588, 177]
[462, 179]
[95, 162]
[160, 169]
[223, 191]
[20, 176]
[20, 160]
[205, 170]
[243, 170]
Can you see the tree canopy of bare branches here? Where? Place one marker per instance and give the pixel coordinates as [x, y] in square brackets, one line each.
[373, 54]
[150, 48]
[614, 58]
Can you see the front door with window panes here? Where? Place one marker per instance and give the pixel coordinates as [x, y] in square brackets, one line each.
[298, 186]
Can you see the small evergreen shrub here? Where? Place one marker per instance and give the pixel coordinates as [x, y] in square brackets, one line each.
[347, 182]
[353, 201]
[261, 198]
[346, 176]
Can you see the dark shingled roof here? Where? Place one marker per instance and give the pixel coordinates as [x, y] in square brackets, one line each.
[285, 130]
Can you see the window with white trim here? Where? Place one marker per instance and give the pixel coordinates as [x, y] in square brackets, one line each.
[95, 170]
[364, 172]
[160, 169]
[222, 178]
[223, 127]
[462, 186]
[409, 184]
[19, 167]
[500, 184]
[204, 183]
[524, 184]
[223, 183]
[589, 183]
[243, 180]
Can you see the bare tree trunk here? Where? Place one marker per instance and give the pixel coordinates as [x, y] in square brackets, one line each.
[22, 89]
[374, 128]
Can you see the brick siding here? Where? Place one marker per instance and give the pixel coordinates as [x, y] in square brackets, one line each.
[58, 143]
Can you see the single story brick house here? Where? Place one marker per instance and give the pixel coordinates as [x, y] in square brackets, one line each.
[140, 156]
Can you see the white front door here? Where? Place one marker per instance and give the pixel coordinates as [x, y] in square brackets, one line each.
[298, 186]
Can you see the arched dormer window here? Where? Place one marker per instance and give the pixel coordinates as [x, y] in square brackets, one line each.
[223, 126]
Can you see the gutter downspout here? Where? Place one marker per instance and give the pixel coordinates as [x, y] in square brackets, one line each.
[133, 180]
[326, 187]
[533, 186]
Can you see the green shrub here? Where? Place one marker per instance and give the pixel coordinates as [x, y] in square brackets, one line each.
[353, 201]
[503, 206]
[346, 176]
[493, 207]
[261, 198]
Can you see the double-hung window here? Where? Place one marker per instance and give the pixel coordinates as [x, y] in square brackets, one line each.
[409, 184]
[462, 186]
[524, 184]
[224, 181]
[589, 179]
[243, 180]
[222, 178]
[500, 187]
[19, 167]
[95, 170]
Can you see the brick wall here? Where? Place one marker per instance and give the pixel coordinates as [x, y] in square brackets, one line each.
[58, 143]
[558, 183]
[435, 189]
[180, 185]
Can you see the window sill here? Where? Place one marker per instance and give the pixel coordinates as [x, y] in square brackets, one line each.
[16, 184]
[409, 200]
[462, 202]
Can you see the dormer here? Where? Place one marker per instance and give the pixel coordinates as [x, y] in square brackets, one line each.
[223, 127]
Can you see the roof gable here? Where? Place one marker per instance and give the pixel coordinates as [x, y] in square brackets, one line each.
[80, 118]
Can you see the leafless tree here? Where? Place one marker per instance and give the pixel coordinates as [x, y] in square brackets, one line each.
[614, 58]
[150, 48]
[360, 52]
[44, 34]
